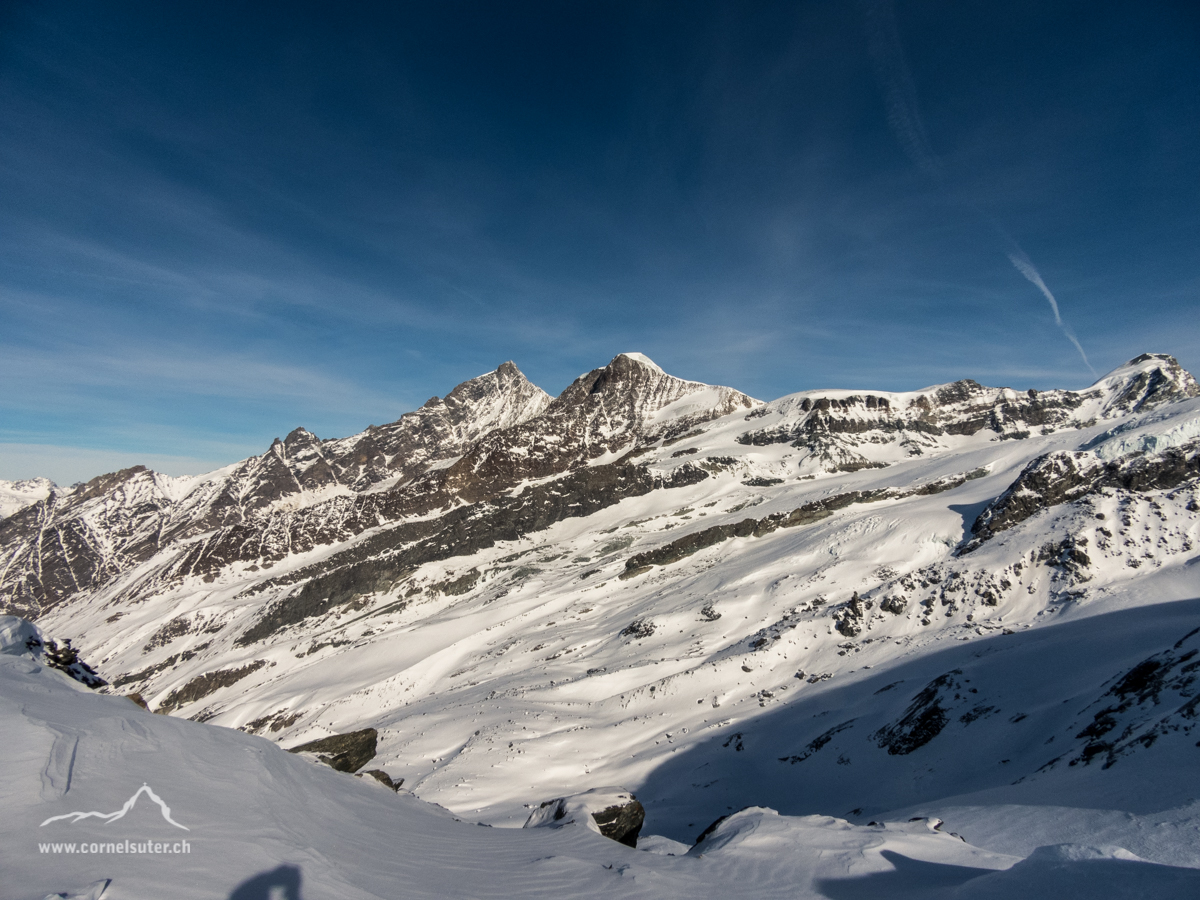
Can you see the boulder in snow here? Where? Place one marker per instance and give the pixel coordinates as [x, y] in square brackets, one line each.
[344, 752]
[611, 811]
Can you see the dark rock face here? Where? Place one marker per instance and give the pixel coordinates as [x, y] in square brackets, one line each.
[305, 493]
[80, 538]
[833, 429]
[622, 823]
[848, 620]
[616, 812]
[441, 429]
[813, 746]
[708, 537]
[53, 554]
[203, 685]
[378, 563]
[66, 659]
[1149, 389]
[605, 411]
[1158, 696]
[639, 628]
[503, 430]
[924, 719]
[963, 408]
[344, 752]
[382, 777]
[1064, 477]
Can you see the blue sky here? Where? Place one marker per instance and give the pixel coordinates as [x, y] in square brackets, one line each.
[223, 221]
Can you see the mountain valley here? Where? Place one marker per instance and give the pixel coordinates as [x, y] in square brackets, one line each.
[959, 603]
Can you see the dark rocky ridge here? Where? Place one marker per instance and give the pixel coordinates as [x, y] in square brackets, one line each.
[488, 436]
[78, 539]
[1159, 695]
[924, 719]
[832, 428]
[964, 408]
[1065, 477]
[502, 429]
[440, 429]
[377, 564]
[203, 685]
[802, 515]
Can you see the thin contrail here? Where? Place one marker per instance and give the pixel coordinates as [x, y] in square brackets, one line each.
[1026, 268]
[904, 118]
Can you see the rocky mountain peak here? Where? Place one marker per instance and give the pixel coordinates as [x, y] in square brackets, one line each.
[1146, 382]
[622, 396]
[604, 411]
[498, 399]
[300, 437]
[639, 359]
[443, 428]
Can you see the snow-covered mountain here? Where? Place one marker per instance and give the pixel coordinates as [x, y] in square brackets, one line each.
[945, 602]
[16, 495]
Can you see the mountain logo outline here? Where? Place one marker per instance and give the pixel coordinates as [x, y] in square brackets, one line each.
[120, 813]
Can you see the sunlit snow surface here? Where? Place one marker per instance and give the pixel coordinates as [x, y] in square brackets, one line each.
[524, 688]
[16, 495]
[263, 823]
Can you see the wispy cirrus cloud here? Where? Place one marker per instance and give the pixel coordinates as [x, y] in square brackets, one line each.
[908, 125]
[67, 465]
[69, 372]
[899, 90]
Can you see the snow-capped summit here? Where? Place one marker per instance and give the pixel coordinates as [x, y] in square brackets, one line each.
[16, 495]
[641, 358]
[1144, 383]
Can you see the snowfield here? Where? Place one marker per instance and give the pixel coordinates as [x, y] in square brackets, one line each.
[837, 619]
[16, 495]
[259, 822]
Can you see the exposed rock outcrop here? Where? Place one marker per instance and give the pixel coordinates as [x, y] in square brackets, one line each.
[79, 538]
[841, 430]
[612, 811]
[382, 777]
[22, 638]
[344, 752]
[1067, 476]
[203, 685]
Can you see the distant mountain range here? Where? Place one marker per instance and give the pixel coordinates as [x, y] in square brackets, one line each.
[527, 596]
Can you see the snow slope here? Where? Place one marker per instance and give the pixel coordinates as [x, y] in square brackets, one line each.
[223, 814]
[16, 495]
[946, 602]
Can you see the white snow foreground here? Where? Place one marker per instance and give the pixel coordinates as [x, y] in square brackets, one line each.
[260, 822]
